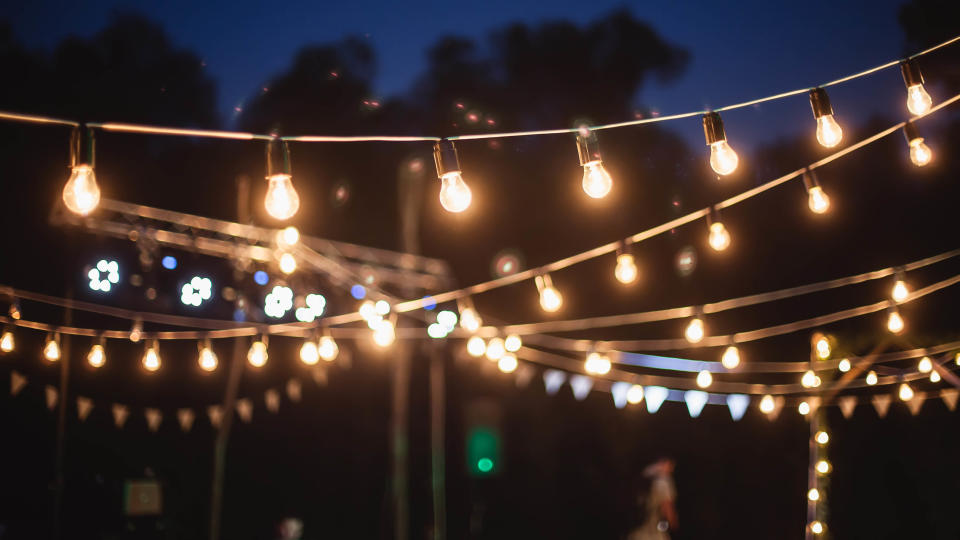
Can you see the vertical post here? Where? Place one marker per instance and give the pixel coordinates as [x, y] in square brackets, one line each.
[437, 441]
[814, 455]
[223, 436]
[62, 420]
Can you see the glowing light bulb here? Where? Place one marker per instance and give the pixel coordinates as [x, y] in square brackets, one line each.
[723, 159]
[823, 466]
[495, 349]
[844, 365]
[309, 353]
[596, 180]
[731, 357]
[455, 196]
[816, 527]
[6, 341]
[368, 310]
[282, 201]
[470, 319]
[906, 393]
[813, 494]
[81, 193]
[829, 133]
[597, 364]
[934, 376]
[925, 365]
[626, 269]
[719, 237]
[803, 408]
[288, 263]
[384, 334]
[920, 153]
[96, 357]
[476, 347]
[327, 348]
[704, 379]
[918, 100]
[895, 322]
[257, 354]
[51, 350]
[635, 394]
[871, 378]
[507, 363]
[809, 379]
[822, 437]
[550, 298]
[695, 331]
[288, 237]
[899, 292]
[151, 359]
[767, 404]
[207, 359]
[822, 346]
[512, 343]
[818, 201]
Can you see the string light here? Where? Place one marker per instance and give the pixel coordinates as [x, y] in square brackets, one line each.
[97, 355]
[723, 159]
[816, 527]
[206, 358]
[7, 343]
[823, 466]
[455, 195]
[14, 310]
[626, 269]
[507, 363]
[597, 364]
[550, 297]
[51, 349]
[822, 437]
[817, 199]
[288, 263]
[309, 352]
[136, 331]
[731, 357]
[900, 291]
[327, 348]
[281, 201]
[803, 408]
[844, 365]
[719, 238]
[925, 365]
[469, 319]
[151, 356]
[495, 349]
[956, 359]
[906, 393]
[257, 354]
[829, 133]
[704, 379]
[918, 100]
[476, 347]
[81, 194]
[384, 334]
[813, 494]
[934, 376]
[894, 321]
[767, 404]
[810, 379]
[635, 394]
[288, 237]
[596, 180]
[920, 153]
[871, 378]
[512, 343]
[695, 330]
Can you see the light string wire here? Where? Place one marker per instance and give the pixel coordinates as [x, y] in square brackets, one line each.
[237, 135]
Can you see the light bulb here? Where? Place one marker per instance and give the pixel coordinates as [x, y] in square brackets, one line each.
[822, 437]
[596, 180]
[81, 193]
[906, 393]
[934, 376]
[899, 292]
[704, 379]
[822, 346]
[507, 363]
[829, 133]
[597, 364]
[956, 359]
[719, 237]
[918, 100]
[455, 196]
[816, 527]
[309, 353]
[920, 153]
[51, 350]
[823, 466]
[803, 408]
[470, 319]
[512, 343]
[626, 269]
[368, 310]
[818, 201]
[288, 263]
[925, 365]
[895, 322]
[327, 348]
[809, 379]
[550, 299]
[767, 404]
[723, 159]
[6, 341]
[288, 237]
[495, 349]
[207, 359]
[257, 354]
[635, 394]
[96, 357]
[282, 201]
[695, 331]
[731, 357]
[384, 334]
[844, 365]
[871, 378]
[151, 359]
[476, 347]
[813, 494]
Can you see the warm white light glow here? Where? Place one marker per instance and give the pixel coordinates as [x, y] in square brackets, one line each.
[81, 194]
[809, 379]
[626, 269]
[813, 494]
[803, 408]
[822, 437]
[512, 343]
[723, 159]
[818, 200]
[844, 365]
[382, 308]
[288, 237]
[368, 310]
[829, 133]
[895, 322]
[288, 263]
[495, 349]
[767, 404]
[731, 357]
[507, 363]
[899, 292]
[816, 527]
[635, 394]
[719, 238]
[6, 341]
[327, 348]
[51, 350]
[550, 298]
[920, 153]
[823, 466]
[822, 346]
[925, 365]
[695, 331]
[151, 359]
[282, 201]
[934, 376]
[455, 196]
[257, 354]
[470, 319]
[97, 356]
[207, 359]
[704, 379]
[309, 353]
[476, 347]
[596, 180]
[906, 393]
[918, 100]
[871, 378]
[597, 364]
[384, 334]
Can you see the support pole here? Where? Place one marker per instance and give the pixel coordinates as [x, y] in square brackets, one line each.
[223, 436]
[62, 421]
[437, 442]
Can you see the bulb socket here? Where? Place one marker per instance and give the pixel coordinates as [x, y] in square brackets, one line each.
[810, 180]
[911, 73]
[588, 147]
[910, 132]
[820, 102]
[713, 128]
[445, 157]
[278, 157]
[713, 216]
[81, 146]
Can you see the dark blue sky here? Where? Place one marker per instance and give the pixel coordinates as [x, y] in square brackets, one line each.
[740, 50]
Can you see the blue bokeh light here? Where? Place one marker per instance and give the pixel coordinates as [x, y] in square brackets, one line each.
[358, 291]
[169, 262]
[261, 277]
[429, 303]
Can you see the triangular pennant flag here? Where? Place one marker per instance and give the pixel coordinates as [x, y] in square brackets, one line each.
[17, 382]
[319, 374]
[272, 398]
[695, 399]
[553, 379]
[120, 414]
[84, 406]
[154, 417]
[655, 396]
[950, 398]
[738, 404]
[619, 391]
[245, 409]
[524, 375]
[581, 385]
[294, 390]
[185, 418]
[847, 404]
[917, 402]
[814, 403]
[778, 403]
[51, 393]
[881, 402]
[215, 412]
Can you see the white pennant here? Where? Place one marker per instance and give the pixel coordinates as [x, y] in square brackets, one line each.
[245, 410]
[294, 390]
[619, 392]
[17, 382]
[553, 379]
[120, 414]
[847, 404]
[814, 403]
[319, 374]
[185, 418]
[778, 403]
[154, 417]
[738, 404]
[950, 398]
[84, 406]
[881, 402]
[695, 399]
[916, 403]
[655, 396]
[215, 412]
[581, 385]
[524, 375]
[272, 398]
[51, 394]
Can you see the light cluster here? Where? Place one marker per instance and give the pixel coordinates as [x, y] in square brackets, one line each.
[278, 301]
[104, 275]
[196, 291]
[313, 308]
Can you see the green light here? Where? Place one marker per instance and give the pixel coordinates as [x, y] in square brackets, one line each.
[485, 465]
[483, 450]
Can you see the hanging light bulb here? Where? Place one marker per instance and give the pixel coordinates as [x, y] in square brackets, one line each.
[550, 297]
[723, 159]
[719, 238]
[206, 358]
[635, 394]
[822, 437]
[925, 365]
[767, 404]
[14, 310]
[51, 349]
[731, 357]
[136, 331]
[81, 194]
[384, 334]
[151, 357]
[918, 100]
[844, 365]
[507, 363]
[829, 133]
[282, 201]
[920, 153]
[822, 466]
[906, 393]
[476, 347]
[288, 237]
[810, 379]
[813, 494]
[597, 364]
[327, 348]
[626, 269]
[871, 378]
[512, 343]
[817, 199]
[7, 343]
[803, 408]
[288, 263]
[469, 319]
[97, 355]
[455, 195]
[495, 349]
[900, 291]
[695, 330]
[895, 321]
[816, 527]
[934, 376]
[257, 354]
[596, 180]
[704, 379]
[309, 353]
[821, 346]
